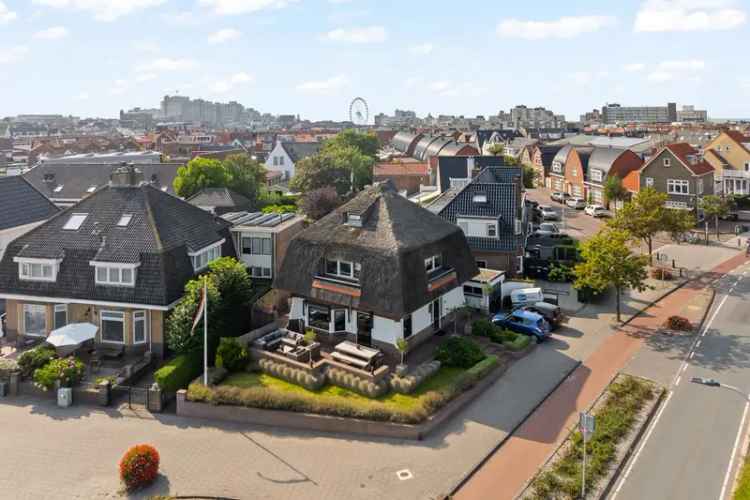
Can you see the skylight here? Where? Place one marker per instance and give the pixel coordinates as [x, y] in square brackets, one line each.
[75, 222]
[91, 189]
[480, 198]
[125, 220]
[58, 188]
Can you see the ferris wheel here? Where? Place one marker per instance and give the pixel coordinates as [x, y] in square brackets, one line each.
[359, 113]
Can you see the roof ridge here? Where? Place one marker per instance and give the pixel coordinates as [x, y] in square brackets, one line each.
[150, 214]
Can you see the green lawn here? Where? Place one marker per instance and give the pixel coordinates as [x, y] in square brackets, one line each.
[743, 485]
[392, 401]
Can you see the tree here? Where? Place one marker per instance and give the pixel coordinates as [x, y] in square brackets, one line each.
[179, 334]
[345, 168]
[236, 292]
[679, 222]
[402, 345]
[366, 142]
[607, 261]
[715, 206]
[199, 173]
[643, 217]
[497, 149]
[318, 203]
[245, 175]
[529, 177]
[614, 191]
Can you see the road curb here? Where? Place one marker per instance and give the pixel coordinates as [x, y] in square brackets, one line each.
[499, 445]
[654, 302]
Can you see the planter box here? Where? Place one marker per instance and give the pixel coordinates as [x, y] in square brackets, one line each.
[64, 397]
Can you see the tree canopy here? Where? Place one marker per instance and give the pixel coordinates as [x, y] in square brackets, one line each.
[715, 206]
[367, 142]
[644, 216]
[614, 190]
[238, 172]
[345, 168]
[607, 261]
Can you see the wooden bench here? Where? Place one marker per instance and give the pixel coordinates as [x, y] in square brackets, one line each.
[350, 360]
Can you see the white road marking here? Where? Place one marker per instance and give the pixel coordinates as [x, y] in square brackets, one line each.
[734, 452]
[685, 365]
[698, 344]
[692, 353]
[677, 382]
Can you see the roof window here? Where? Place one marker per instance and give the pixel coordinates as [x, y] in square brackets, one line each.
[479, 198]
[354, 220]
[91, 189]
[75, 222]
[58, 188]
[124, 220]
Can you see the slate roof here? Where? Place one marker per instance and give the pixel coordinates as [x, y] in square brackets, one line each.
[548, 154]
[219, 198]
[21, 203]
[161, 232]
[300, 150]
[501, 186]
[71, 181]
[395, 238]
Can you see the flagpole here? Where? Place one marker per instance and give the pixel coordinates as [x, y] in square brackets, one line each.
[205, 334]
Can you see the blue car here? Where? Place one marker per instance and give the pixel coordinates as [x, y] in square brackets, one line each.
[525, 323]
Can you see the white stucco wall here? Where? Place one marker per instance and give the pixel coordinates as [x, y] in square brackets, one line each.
[279, 152]
[386, 330]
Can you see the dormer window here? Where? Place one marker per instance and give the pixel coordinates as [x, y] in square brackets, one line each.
[37, 269]
[479, 198]
[354, 220]
[343, 269]
[110, 274]
[202, 258]
[75, 222]
[432, 264]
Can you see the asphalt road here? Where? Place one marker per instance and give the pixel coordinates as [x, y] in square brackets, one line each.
[693, 446]
[575, 222]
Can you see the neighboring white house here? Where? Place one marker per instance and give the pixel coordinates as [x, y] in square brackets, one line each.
[284, 156]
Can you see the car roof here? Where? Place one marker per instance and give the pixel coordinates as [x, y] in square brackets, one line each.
[544, 305]
[521, 313]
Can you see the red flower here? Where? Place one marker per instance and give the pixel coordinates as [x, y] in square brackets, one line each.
[139, 466]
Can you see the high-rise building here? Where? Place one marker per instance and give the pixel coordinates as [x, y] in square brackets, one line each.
[539, 117]
[184, 109]
[615, 113]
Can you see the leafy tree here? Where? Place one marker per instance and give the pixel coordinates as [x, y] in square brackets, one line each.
[607, 261]
[180, 339]
[497, 149]
[614, 191]
[679, 222]
[529, 177]
[320, 202]
[236, 291]
[715, 206]
[366, 142]
[245, 175]
[643, 217]
[199, 173]
[344, 168]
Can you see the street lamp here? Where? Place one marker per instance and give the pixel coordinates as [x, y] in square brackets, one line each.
[711, 382]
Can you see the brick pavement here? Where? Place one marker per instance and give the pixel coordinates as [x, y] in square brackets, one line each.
[506, 472]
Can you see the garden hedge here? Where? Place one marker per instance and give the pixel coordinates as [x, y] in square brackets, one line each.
[179, 372]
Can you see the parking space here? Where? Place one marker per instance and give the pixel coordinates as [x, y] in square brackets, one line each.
[574, 222]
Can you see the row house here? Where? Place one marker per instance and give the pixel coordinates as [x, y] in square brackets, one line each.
[540, 157]
[729, 155]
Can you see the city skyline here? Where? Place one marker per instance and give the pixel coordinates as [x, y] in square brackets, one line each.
[93, 58]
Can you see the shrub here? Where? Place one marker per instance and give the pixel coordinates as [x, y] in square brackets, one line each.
[660, 273]
[482, 328]
[560, 273]
[7, 366]
[367, 388]
[679, 323]
[231, 355]
[35, 358]
[520, 343]
[408, 384]
[67, 371]
[459, 352]
[179, 372]
[292, 375]
[501, 336]
[139, 466]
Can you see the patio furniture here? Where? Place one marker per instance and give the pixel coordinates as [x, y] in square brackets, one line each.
[69, 338]
[356, 355]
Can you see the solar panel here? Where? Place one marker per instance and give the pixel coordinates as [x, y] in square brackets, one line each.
[275, 221]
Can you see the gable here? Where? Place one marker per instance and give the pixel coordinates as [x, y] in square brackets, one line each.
[655, 167]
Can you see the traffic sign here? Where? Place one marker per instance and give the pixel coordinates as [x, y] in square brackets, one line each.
[586, 423]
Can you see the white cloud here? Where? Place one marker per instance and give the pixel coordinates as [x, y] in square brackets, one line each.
[166, 64]
[660, 76]
[669, 70]
[565, 27]
[233, 7]
[634, 67]
[148, 46]
[224, 35]
[13, 54]
[6, 15]
[422, 49]
[324, 86]
[119, 87]
[689, 15]
[366, 34]
[102, 10]
[223, 86]
[54, 33]
[413, 81]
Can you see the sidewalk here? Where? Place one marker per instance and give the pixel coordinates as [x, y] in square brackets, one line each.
[507, 471]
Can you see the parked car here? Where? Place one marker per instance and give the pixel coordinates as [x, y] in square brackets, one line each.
[548, 227]
[550, 312]
[731, 215]
[525, 323]
[577, 203]
[547, 213]
[559, 196]
[596, 211]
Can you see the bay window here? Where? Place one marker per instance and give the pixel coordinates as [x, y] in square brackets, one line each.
[319, 316]
[113, 327]
[35, 320]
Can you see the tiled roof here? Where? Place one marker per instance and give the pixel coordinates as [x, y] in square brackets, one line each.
[716, 155]
[218, 197]
[160, 233]
[300, 150]
[21, 204]
[682, 150]
[395, 169]
[739, 138]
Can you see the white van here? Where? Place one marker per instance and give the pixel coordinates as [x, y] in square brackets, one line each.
[526, 296]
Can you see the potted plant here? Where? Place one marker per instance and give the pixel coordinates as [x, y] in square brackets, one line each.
[402, 345]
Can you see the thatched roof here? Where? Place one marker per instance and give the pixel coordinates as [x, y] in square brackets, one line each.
[395, 238]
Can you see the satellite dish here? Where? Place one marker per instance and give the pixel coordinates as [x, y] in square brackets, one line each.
[359, 113]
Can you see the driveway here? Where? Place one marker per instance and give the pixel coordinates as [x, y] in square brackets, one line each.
[574, 222]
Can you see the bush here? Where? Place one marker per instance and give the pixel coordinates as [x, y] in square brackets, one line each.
[279, 209]
[67, 371]
[231, 355]
[482, 328]
[292, 375]
[560, 273]
[409, 383]
[660, 273]
[35, 358]
[501, 336]
[139, 466]
[520, 343]
[367, 388]
[459, 352]
[179, 372]
[679, 323]
[8, 366]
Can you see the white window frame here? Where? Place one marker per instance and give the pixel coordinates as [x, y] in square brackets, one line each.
[59, 308]
[29, 307]
[649, 181]
[667, 162]
[210, 253]
[518, 226]
[355, 268]
[699, 186]
[433, 264]
[25, 269]
[492, 228]
[673, 184]
[597, 175]
[75, 221]
[111, 270]
[557, 167]
[140, 316]
[121, 319]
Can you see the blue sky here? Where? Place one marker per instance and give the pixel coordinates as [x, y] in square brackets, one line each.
[311, 57]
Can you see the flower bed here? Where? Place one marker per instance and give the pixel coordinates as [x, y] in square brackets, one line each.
[616, 417]
[260, 390]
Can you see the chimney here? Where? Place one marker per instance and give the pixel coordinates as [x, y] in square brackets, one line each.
[126, 176]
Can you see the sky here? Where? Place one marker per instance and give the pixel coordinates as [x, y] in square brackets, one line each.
[312, 57]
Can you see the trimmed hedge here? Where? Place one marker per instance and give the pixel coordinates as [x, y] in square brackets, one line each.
[520, 343]
[482, 328]
[409, 383]
[292, 375]
[231, 355]
[179, 372]
[342, 378]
